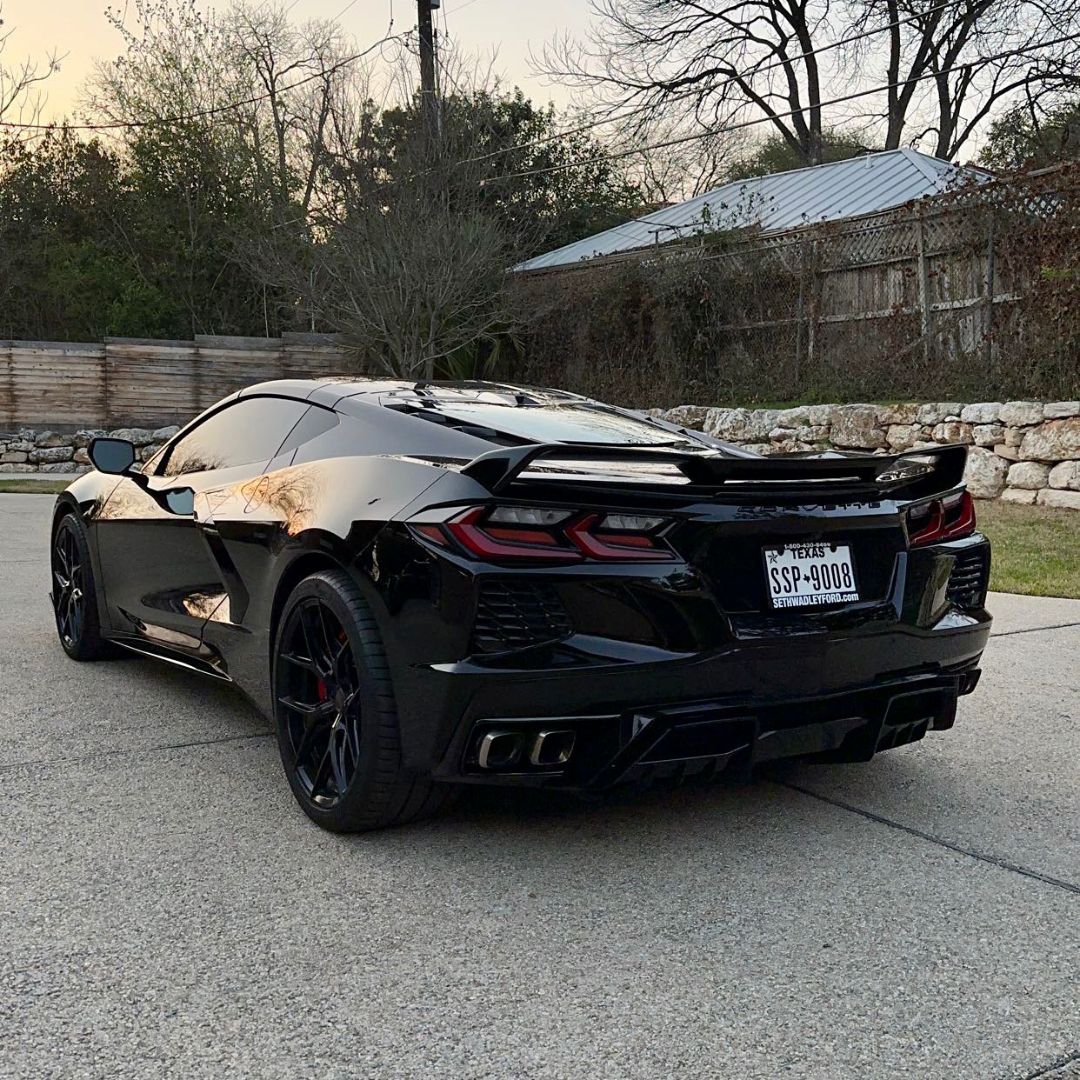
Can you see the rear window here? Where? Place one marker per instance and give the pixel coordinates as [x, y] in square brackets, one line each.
[563, 423]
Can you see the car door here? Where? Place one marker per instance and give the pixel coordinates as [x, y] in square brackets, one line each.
[161, 576]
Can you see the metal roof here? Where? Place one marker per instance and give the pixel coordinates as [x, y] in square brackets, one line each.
[838, 189]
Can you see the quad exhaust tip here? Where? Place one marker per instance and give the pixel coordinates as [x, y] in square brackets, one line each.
[501, 749]
[552, 747]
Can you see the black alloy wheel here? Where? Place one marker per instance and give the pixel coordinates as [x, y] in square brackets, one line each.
[68, 593]
[337, 723]
[73, 593]
[319, 691]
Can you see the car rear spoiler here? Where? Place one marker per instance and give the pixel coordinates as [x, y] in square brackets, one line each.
[913, 473]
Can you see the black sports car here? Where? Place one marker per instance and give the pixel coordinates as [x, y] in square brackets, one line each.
[435, 584]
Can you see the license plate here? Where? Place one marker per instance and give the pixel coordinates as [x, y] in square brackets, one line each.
[803, 575]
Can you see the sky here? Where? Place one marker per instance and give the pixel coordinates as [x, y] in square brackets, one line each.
[79, 29]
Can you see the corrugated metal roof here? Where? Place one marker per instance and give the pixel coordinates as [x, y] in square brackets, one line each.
[787, 200]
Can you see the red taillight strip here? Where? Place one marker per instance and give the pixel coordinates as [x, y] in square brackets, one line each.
[521, 536]
[607, 546]
[932, 529]
[575, 541]
[433, 533]
[484, 545]
[939, 528]
[964, 522]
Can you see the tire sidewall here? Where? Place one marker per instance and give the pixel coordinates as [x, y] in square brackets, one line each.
[365, 793]
[89, 643]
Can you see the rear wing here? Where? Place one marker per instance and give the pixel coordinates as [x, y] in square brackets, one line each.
[912, 474]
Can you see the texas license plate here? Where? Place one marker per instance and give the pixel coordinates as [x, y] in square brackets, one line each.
[802, 575]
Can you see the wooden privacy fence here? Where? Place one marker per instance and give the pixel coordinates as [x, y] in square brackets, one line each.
[127, 381]
[967, 295]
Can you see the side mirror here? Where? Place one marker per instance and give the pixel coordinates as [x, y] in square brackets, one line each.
[114, 456]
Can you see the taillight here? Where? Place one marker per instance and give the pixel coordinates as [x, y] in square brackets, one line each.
[619, 536]
[949, 518]
[499, 540]
[541, 534]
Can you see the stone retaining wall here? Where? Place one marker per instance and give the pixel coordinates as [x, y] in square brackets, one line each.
[29, 451]
[1021, 451]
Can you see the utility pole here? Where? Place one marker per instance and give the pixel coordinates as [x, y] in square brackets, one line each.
[429, 105]
[429, 117]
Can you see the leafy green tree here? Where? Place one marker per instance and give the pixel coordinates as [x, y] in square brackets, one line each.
[69, 261]
[252, 185]
[1024, 137]
[775, 155]
[514, 153]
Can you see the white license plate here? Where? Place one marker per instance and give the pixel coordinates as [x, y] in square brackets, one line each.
[802, 575]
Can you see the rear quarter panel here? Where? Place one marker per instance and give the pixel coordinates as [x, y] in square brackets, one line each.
[332, 511]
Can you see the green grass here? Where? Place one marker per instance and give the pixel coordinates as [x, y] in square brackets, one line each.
[33, 487]
[1036, 550]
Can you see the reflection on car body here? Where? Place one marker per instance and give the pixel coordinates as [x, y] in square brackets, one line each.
[428, 585]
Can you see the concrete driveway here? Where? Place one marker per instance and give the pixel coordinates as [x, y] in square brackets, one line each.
[166, 910]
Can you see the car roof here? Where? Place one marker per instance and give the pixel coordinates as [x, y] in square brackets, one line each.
[497, 413]
[334, 388]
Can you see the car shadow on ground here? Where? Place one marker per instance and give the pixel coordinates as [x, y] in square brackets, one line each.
[478, 810]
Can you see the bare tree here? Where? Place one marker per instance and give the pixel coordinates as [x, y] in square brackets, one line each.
[697, 159]
[264, 91]
[950, 64]
[21, 96]
[402, 255]
[414, 286]
[934, 68]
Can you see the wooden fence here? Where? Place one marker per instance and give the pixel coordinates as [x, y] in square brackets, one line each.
[126, 382]
[925, 299]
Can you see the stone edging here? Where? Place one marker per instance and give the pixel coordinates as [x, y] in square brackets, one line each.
[1021, 451]
[29, 451]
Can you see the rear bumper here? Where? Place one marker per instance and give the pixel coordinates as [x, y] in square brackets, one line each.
[847, 696]
[679, 741]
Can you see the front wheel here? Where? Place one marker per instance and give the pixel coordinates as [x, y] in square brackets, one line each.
[74, 593]
[334, 706]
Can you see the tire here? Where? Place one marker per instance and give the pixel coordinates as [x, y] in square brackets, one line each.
[74, 592]
[336, 719]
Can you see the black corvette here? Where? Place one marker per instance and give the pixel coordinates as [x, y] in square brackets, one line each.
[435, 584]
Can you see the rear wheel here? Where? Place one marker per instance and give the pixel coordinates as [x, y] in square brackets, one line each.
[74, 593]
[334, 705]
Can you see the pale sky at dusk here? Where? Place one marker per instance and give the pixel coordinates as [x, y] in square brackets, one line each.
[79, 29]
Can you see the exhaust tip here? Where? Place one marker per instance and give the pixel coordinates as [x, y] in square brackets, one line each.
[500, 749]
[552, 747]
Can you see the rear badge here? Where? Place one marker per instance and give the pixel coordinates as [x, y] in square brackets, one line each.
[806, 575]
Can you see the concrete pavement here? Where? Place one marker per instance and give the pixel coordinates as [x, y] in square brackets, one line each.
[168, 911]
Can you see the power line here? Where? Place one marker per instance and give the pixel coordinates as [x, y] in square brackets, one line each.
[202, 114]
[619, 154]
[352, 3]
[591, 125]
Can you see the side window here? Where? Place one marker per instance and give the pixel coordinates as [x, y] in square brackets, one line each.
[245, 432]
[348, 436]
[315, 422]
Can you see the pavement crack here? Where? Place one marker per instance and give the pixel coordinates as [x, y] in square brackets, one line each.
[1002, 864]
[1053, 1067]
[130, 751]
[1035, 629]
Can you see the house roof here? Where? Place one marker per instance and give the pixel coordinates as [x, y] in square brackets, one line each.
[838, 189]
